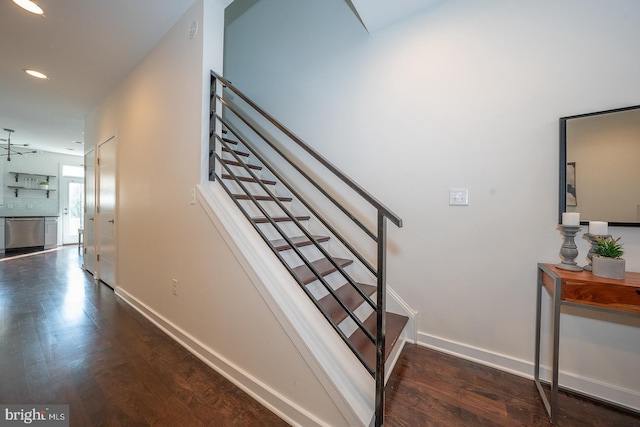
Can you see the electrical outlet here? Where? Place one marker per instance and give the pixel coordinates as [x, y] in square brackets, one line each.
[175, 286]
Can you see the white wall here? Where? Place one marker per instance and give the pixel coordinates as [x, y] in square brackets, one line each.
[467, 94]
[157, 114]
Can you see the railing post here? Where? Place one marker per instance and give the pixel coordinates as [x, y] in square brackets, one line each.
[381, 317]
[212, 128]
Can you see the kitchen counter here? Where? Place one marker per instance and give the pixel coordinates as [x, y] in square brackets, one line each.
[29, 216]
[28, 231]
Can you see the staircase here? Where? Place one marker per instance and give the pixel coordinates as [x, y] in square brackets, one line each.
[344, 286]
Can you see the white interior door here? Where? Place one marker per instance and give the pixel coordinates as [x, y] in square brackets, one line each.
[106, 212]
[89, 258]
[72, 198]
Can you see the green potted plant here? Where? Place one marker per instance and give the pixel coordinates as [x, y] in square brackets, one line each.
[44, 185]
[607, 261]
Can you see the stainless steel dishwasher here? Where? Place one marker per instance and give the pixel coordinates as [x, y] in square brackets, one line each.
[23, 233]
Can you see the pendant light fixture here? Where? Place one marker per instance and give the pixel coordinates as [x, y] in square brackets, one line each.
[12, 149]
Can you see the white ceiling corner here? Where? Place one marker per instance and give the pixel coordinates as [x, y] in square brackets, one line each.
[377, 14]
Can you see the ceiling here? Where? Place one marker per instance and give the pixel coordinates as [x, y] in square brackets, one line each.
[86, 47]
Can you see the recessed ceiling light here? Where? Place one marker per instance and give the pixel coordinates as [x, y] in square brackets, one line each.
[29, 6]
[78, 142]
[36, 74]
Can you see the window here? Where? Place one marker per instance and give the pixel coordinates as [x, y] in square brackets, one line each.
[73, 171]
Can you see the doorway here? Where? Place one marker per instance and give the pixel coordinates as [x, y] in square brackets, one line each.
[72, 201]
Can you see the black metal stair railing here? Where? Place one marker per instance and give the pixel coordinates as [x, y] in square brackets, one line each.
[293, 247]
[219, 168]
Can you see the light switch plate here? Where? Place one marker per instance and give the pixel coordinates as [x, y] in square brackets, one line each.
[458, 197]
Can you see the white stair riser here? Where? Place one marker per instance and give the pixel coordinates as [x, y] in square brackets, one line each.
[241, 171]
[348, 325]
[287, 227]
[272, 208]
[334, 280]
[228, 156]
[252, 187]
[310, 252]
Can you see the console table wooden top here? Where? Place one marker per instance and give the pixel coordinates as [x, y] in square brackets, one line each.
[582, 289]
[586, 289]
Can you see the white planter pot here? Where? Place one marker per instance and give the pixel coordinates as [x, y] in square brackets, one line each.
[44, 187]
[612, 268]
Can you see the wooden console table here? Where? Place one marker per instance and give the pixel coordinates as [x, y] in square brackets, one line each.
[578, 289]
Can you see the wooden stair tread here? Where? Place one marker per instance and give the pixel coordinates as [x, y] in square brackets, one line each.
[395, 325]
[249, 179]
[263, 220]
[261, 198]
[323, 266]
[349, 296]
[299, 241]
[238, 152]
[230, 141]
[239, 164]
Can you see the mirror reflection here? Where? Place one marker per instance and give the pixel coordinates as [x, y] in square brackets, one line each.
[600, 166]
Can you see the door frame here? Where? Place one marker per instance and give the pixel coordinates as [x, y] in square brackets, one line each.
[89, 247]
[64, 202]
[98, 214]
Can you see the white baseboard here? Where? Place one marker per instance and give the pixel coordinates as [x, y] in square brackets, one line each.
[610, 393]
[268, 397]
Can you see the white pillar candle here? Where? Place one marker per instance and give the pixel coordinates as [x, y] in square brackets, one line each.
[570, 218]
[598, 228]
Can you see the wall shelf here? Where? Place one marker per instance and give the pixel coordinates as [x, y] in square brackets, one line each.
[17, 188]
[17, 174]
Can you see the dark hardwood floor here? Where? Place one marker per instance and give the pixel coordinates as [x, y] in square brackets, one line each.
[66, 340]
[429, 388]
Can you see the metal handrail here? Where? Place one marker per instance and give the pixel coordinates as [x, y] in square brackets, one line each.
[306, 176]
[326, 163]
[307, 234]
[307, 263]
[383, 214]
[288, 240]
[302, 200]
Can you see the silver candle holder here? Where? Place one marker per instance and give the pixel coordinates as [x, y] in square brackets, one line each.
[593, 240]
[569, 250]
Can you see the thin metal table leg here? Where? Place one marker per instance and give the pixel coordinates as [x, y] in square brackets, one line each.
[557, 297]
[536, 371]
